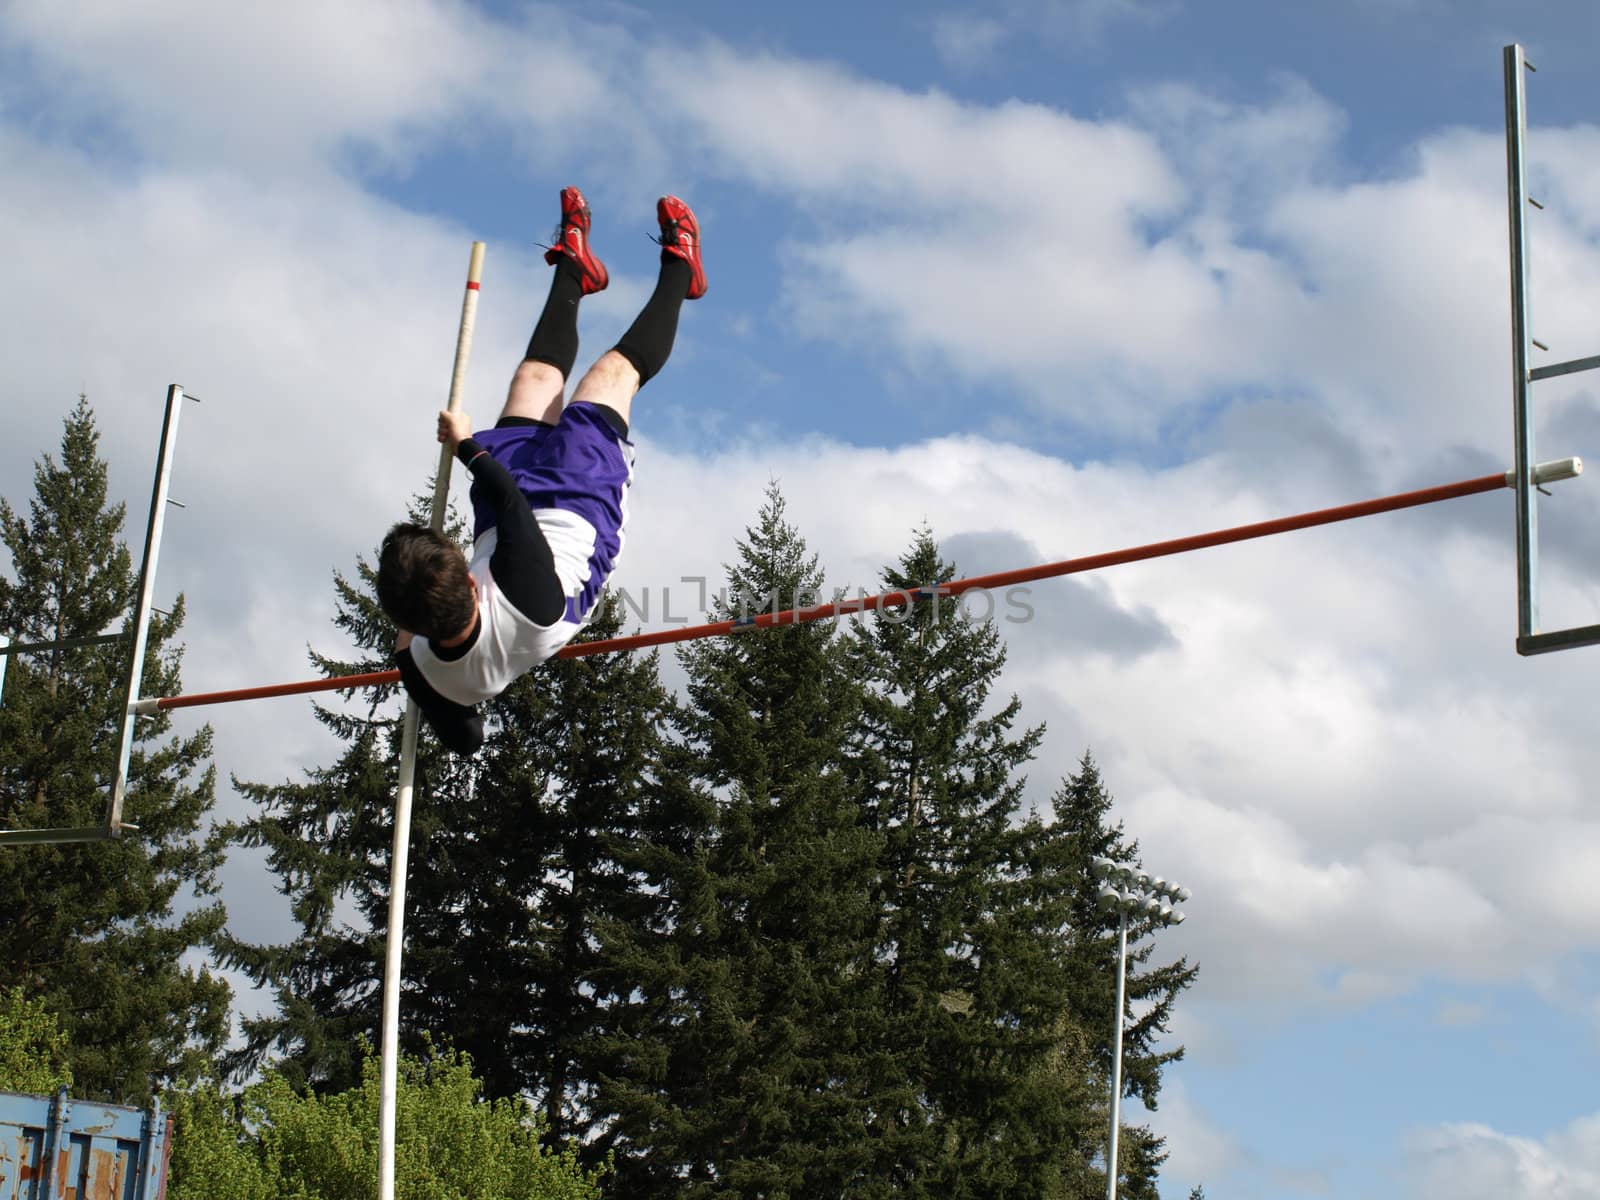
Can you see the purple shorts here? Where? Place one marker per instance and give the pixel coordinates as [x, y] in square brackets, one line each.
[578, 466]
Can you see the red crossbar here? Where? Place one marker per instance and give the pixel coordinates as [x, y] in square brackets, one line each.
[896, 599]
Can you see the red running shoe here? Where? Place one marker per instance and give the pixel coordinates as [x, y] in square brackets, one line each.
[680, 235]
[572, 241]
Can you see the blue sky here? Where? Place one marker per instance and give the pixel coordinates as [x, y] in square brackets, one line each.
[1053, 278]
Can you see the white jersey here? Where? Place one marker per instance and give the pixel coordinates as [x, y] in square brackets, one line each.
[508, 643]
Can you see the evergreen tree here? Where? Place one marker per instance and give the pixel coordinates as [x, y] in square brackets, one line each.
[750, 1078]
[1059, 892]
[329, 839]
[969, 1102]
[92, 929]
[524, 878]
[517, 857]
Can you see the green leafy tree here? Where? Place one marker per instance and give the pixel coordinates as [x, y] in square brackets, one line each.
[750, 1078]
[100, 932]
[33, 1049]
[212, 1155]
[276, 1142]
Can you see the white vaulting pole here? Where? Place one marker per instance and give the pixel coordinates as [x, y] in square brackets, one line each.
[408, 772]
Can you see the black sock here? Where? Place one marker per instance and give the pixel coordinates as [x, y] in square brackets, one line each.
[555, 337]
[649, 339]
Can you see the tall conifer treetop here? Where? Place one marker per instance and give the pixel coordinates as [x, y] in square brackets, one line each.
[100, 931]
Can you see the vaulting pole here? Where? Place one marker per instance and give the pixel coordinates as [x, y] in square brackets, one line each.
[408, 772]
[1548, 472]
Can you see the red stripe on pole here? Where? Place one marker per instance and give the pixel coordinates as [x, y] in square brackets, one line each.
[472, 285]
[797, 616]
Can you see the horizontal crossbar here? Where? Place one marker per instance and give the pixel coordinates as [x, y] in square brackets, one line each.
[1560, 469]
[1560, 639]
[1571, 367]
[93, 833]
[67, 644]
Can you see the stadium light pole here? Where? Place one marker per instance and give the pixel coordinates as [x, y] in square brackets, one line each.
[1129, 892]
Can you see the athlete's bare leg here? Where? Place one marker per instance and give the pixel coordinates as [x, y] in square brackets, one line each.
[613, 381]
[537, 392]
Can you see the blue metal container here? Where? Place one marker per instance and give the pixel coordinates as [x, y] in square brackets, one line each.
[54, 1148]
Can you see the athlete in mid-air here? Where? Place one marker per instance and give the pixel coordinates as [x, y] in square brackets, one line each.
[549, 492]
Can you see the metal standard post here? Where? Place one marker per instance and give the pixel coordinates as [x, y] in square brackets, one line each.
[141, 614]
[395, 945]
[1517, 204]
[5, 644]
[1116, 1057]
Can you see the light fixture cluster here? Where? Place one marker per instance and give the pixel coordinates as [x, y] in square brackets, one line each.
[1135, 893]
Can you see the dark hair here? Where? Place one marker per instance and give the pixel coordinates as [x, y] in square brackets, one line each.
[422, 582]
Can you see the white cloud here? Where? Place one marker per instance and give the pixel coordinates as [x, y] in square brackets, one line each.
[1199, 1149]
[298, 88]
[972, 39]
[1466, 1161]
[287, 82]
[968, 41]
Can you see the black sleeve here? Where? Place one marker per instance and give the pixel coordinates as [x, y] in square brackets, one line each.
[522, 563]
[458, 726]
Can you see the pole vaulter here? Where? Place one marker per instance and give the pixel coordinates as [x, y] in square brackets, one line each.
[1548, 472]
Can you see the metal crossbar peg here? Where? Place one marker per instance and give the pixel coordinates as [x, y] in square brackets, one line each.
[1553, 471]
[1539, 344]
[176, 503]
[1535, 203]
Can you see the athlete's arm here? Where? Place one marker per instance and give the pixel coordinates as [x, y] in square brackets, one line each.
[458, 726]
[522, 563]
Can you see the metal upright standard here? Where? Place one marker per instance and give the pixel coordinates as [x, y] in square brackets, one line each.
[395, 945]
[140, 628]
[1129, 892]
[1530, 640]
